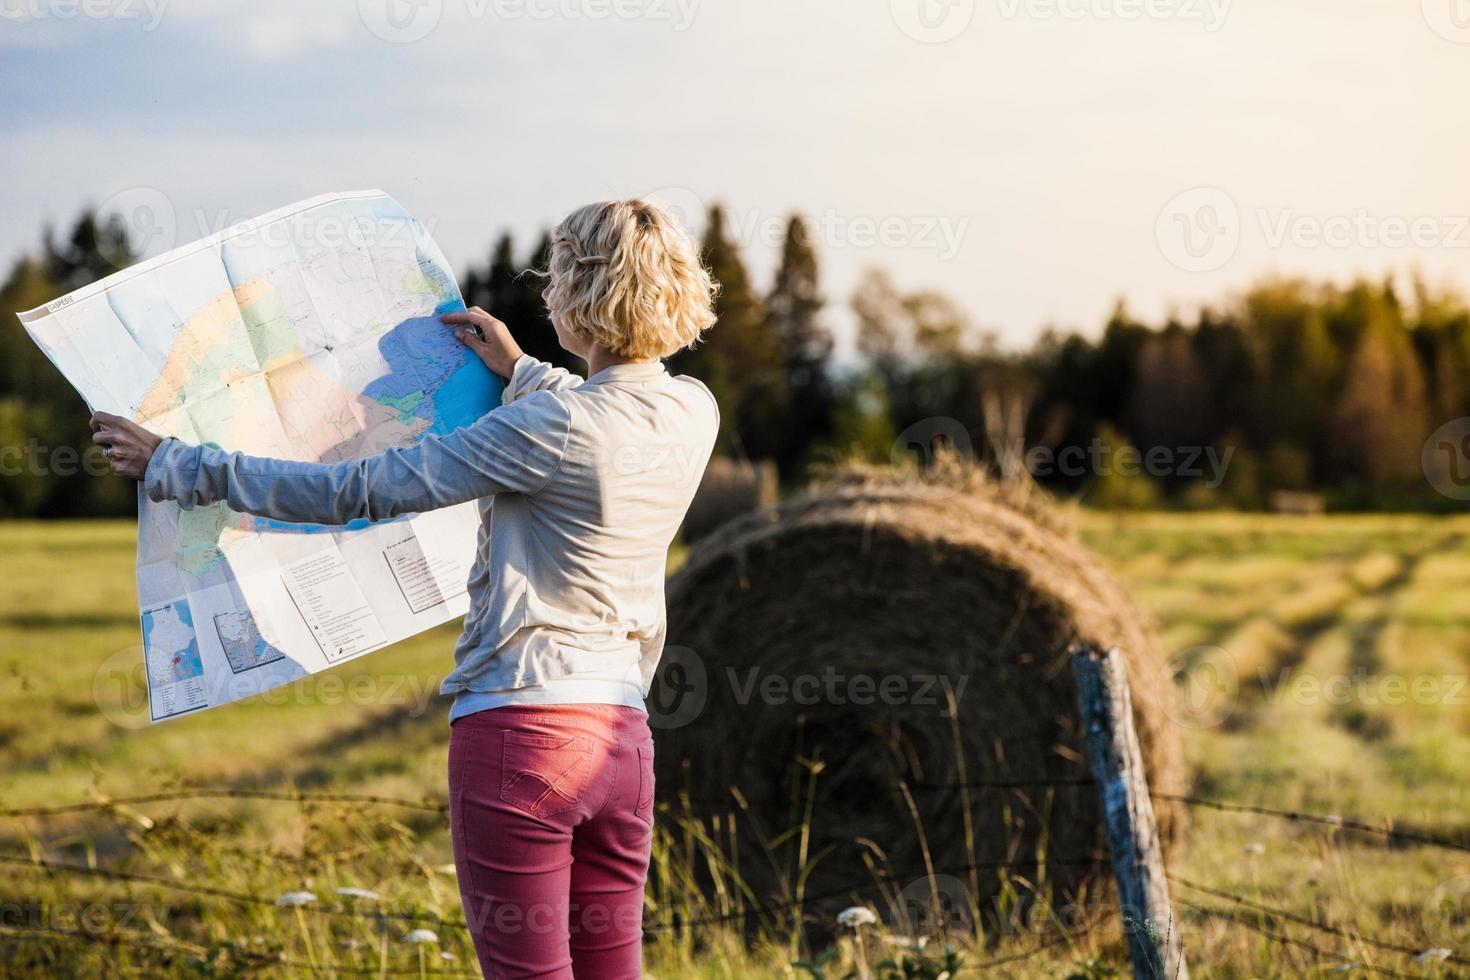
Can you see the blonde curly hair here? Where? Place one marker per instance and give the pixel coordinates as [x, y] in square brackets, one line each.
[625, 275]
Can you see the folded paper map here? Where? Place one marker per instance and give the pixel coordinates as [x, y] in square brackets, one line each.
[310, 333]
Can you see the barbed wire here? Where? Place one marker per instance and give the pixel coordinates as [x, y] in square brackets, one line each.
[1061, 940]
[1293, 941]
[182, 947]
[245, 898]
[877, 878]
[1327, 820]
[165, 796]
[1308, 922]
[1344, 823]
[241, 898]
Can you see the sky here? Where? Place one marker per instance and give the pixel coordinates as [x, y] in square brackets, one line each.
[1037, 160]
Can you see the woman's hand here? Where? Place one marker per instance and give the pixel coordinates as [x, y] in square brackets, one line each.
[487, 337]
[128, 446]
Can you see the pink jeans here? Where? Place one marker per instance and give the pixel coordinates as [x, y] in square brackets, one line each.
[551, 809]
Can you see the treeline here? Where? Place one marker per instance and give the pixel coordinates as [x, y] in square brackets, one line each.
[1294, 386]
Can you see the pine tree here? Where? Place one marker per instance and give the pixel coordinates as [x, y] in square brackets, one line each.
[740, 357]
[1380, 421]
[794, 306]
[37, 406]
[512, 291]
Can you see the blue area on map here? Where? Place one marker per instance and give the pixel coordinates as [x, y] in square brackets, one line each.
[183, 662]
[422, 355]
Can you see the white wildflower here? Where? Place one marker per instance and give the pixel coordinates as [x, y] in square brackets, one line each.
[421, 936]
[856, 917]
[1435, 954]
[296, 899]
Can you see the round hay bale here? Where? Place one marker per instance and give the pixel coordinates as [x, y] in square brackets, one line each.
[830, 629]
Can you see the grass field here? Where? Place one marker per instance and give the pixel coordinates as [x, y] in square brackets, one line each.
[1323, 662]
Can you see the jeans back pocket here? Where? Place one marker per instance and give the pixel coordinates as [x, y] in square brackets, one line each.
[544, 775]
[645, 782]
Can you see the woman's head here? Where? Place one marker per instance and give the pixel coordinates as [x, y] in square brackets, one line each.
[624, 275]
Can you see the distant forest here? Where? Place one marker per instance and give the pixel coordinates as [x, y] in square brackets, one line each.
[1293, 386]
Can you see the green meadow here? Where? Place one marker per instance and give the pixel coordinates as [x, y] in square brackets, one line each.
[1321, 664]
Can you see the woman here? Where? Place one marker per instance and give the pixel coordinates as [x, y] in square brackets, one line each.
[550, 756]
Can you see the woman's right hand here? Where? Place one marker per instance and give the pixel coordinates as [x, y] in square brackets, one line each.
[487, 337]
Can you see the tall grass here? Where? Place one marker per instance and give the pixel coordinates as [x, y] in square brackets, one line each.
[1366, 598]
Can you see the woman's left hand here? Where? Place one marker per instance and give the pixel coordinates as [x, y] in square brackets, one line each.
[128, 446]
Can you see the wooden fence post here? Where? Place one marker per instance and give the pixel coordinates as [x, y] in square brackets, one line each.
[1149, 925]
